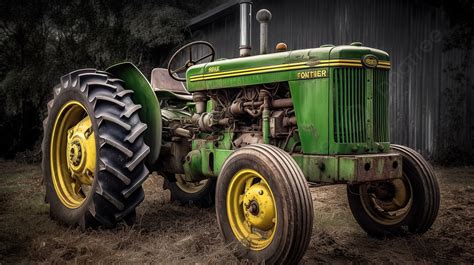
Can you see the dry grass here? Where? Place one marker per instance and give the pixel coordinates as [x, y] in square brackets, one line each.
[167, 233]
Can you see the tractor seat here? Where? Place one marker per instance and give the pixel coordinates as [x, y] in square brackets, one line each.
[166, 86]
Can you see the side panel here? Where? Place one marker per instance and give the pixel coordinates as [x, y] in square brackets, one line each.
[253, 70]
[311, 102]
[145, 96]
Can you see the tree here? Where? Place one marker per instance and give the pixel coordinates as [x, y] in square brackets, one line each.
[41, 40]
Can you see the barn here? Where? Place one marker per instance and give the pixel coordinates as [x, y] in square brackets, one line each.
[430, 44]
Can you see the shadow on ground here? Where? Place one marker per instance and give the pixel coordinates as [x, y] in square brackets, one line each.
[168, 233]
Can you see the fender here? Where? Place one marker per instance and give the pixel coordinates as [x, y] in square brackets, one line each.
[144, 95]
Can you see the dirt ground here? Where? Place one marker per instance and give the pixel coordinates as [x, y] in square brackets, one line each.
[168, 233]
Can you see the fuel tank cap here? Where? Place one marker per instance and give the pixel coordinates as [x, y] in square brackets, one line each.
[356, 43]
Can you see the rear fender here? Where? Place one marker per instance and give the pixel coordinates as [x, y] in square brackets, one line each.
[144, 95]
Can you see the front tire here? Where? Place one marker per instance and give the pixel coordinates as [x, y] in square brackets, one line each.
[412, 207]
[263, 204]
[93, 151]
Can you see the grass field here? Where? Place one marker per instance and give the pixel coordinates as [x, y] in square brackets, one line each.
[168, 233]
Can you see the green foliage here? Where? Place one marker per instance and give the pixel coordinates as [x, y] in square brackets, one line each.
[42, 40]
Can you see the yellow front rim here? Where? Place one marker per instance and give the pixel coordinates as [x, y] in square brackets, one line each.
[251, 209]
[392, 210]
[73, 154]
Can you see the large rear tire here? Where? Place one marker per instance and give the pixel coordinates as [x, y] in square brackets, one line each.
[263, 204]
[401, 206]
[93, 151]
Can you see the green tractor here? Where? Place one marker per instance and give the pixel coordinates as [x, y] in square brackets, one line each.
[249, 134]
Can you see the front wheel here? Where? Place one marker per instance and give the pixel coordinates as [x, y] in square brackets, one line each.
[263, 204]
[395, 207]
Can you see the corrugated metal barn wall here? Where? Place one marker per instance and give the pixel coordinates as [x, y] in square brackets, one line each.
[431, 109]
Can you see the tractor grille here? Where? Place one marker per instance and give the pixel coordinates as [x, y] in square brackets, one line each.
[350, 105]
[381, 106]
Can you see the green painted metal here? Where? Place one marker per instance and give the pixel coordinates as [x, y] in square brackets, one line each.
[369, 110]
[358, 112]
[349, 168]
[311, 103]
[309, 56]
[335, 113]
[381, 100]
[220, 155]
[145, 96]
[207, 157]
[266, 126]
[342, 115]
[193, 166]
[357, 52]
[265, 66]
[318, 168]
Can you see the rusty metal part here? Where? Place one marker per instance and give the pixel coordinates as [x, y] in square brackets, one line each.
[263, 17]
[200, 98]
[276, 123]
[183, 132]
[247, 139]
[289, 121]
[282, 103]
[393, 195]
[245, 28]
[162, 81]
[224, 121]
[281, 47]
[206, 122]
[378, 167]
[276, 103]
[237, 108]
[240, 107]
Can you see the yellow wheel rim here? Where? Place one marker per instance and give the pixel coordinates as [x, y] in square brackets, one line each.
[392, 210]
[251, 209]
[72, 154]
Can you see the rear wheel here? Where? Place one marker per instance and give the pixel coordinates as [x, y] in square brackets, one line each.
[395, 207]
[263, 204]
[93, 151]
[197, 193]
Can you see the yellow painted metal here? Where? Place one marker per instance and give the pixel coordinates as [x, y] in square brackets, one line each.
[73, 154]
[251, 209]
[284, 67]
[388, 211]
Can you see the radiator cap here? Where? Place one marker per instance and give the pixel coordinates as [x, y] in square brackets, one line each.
[281, 47]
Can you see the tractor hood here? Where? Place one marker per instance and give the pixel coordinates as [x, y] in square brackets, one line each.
[282, 66]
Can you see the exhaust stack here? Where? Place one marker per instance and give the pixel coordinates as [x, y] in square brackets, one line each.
[263, 17]
[245, 27]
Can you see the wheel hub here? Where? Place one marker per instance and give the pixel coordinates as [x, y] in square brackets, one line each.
[81, 151]
[75, 154]
[259, 208]
[253, 208]
[393, 195]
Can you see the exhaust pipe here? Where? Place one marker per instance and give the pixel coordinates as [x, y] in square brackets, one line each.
[245, 27]
[263, 17]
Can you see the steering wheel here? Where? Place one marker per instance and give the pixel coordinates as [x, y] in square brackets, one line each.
[180, 55]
